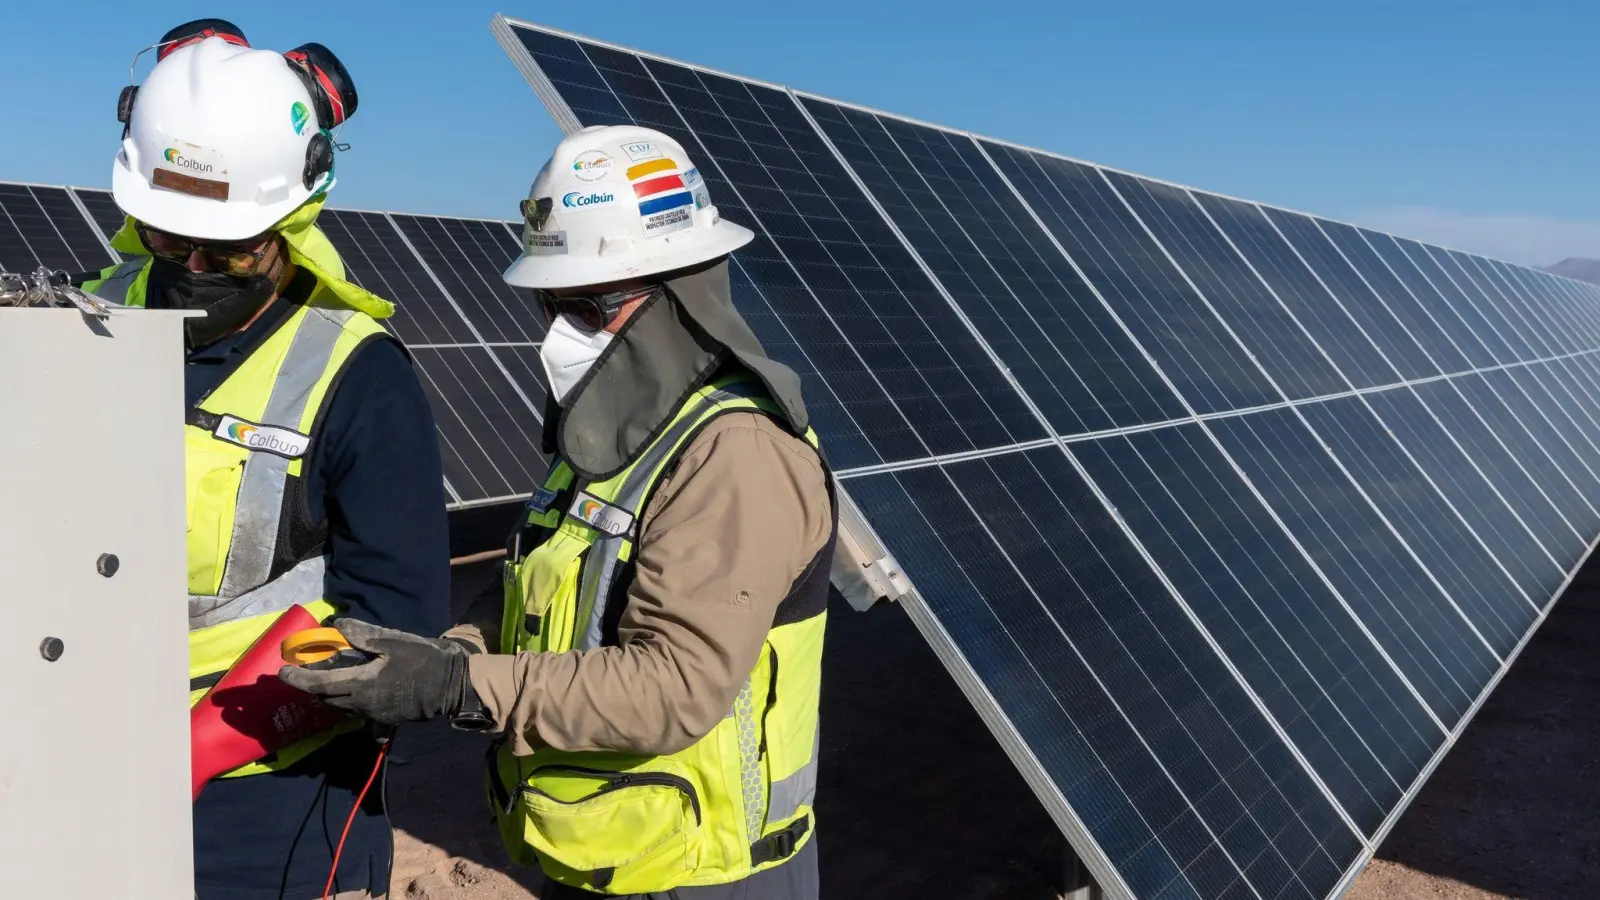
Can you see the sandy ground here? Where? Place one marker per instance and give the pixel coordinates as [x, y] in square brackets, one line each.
[1510, 813]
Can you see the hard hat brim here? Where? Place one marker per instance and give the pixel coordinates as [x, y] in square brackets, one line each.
[197, 217]
[563, 271]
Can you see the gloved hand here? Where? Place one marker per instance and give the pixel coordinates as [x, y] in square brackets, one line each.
[412, 679]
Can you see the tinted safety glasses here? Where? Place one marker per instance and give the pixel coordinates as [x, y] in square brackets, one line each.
[593, 313]
[237, 258]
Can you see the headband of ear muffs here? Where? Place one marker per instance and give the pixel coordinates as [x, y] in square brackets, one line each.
[198, 30]
[181, 36]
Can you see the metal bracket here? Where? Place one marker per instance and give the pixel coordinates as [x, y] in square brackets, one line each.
[864, 572]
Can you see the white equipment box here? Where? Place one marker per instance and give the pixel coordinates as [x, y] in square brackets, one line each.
[94, 740]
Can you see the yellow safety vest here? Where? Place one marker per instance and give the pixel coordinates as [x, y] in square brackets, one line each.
[245, 445]
[735, 802]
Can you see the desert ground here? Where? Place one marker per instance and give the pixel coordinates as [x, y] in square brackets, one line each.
[916, 800]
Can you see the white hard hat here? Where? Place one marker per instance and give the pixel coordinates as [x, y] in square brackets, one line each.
[217, 143]
[614, 203]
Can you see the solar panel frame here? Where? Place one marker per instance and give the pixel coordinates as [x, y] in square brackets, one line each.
[930, 625]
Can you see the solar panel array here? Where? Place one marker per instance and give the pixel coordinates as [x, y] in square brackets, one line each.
[474, 339]
[1226, 517]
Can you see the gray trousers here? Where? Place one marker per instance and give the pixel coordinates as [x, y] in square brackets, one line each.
[794, 880]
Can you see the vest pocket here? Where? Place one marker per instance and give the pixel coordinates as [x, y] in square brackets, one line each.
[213, 497]
[614, 828]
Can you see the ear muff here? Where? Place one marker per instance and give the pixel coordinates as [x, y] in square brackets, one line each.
[328, 81]
[319, 160]
[198, 30]
[125, 106]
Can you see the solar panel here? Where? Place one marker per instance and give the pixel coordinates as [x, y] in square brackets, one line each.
[474, 339]
[44, 226]
[1225, 517]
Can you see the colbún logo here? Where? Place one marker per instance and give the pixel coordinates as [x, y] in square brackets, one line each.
[591, 165]
[579, 200]
[175, 158]
[283, 442]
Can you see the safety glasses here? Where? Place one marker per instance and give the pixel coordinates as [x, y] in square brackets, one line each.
[238, 258]
[593, 313]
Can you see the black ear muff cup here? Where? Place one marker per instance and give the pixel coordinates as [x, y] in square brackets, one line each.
[319, 160]
[125, 103]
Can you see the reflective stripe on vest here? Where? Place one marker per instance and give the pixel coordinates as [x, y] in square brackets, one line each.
[733, 803]
[254, 545]
[117, 282]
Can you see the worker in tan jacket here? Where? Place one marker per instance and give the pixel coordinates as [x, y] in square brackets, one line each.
[650, 668]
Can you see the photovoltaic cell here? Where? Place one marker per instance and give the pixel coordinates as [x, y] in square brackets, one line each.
[1305, 487]
[1120, 259]
[1233, 291]
[999, 266]
[1320, 678]
[1372, 294]
[1313, 304]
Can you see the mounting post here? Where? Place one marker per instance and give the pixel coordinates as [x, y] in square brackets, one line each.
[1078, 884]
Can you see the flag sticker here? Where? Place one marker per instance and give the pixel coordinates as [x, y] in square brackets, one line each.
[666, 203]
[650, 168]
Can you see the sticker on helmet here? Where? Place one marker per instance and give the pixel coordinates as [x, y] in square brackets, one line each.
[191, 170]
[591, 165]
[299, 116]
[692, 179]
[701, 199]
[638, 150]
[552, 243]
[665, 223]
[587, 200]
[650, 168]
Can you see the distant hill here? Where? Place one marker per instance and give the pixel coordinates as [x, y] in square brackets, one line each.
[1576, 267]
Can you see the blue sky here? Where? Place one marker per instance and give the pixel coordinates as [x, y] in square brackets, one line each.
[1471, 123]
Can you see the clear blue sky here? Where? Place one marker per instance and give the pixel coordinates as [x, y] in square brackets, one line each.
[1468, 122]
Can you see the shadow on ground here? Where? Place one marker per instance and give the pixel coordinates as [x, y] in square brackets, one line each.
[916, 800]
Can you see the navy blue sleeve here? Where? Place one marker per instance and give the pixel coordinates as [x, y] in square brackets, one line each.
[379, 480]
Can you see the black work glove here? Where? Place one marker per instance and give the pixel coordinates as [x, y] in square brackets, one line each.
[410, 678]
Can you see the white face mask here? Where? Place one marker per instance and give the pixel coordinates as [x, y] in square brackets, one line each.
[567, 354]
